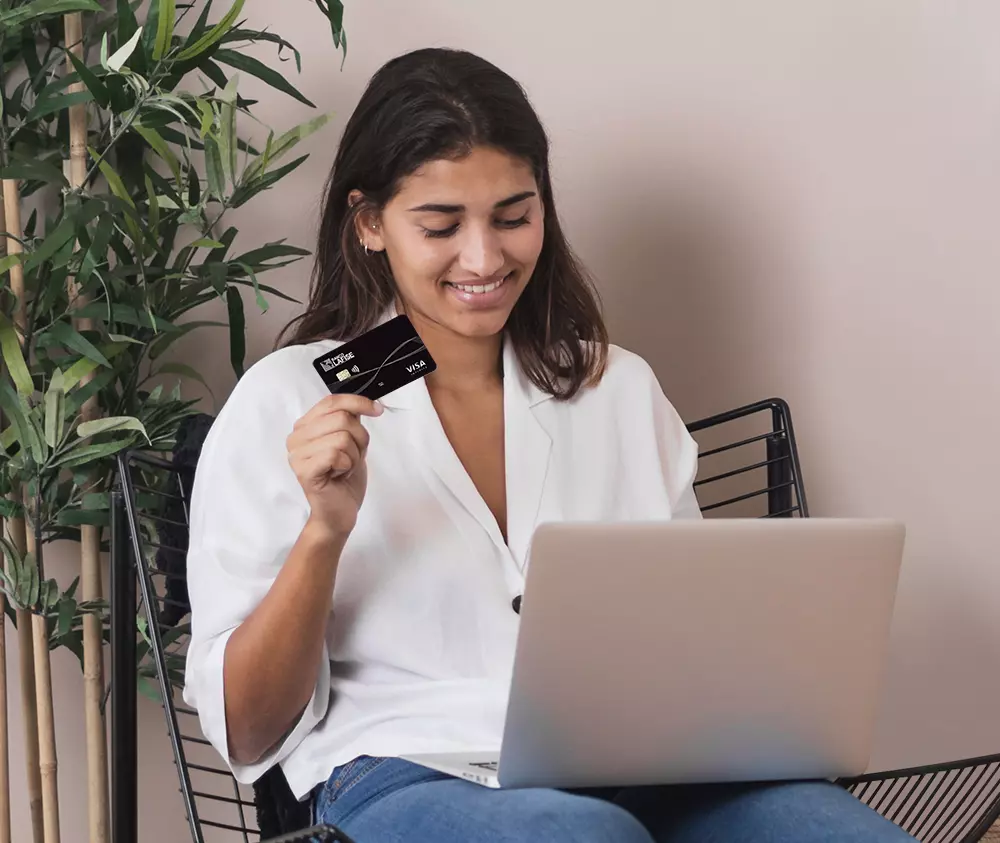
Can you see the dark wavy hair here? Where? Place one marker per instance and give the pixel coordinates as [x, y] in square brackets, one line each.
[435, 104]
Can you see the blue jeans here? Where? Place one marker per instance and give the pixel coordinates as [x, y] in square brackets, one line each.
[387, 800]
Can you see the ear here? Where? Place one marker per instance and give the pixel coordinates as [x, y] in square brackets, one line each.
[367, 224]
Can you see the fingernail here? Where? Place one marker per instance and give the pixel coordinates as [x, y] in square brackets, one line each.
[378, 407]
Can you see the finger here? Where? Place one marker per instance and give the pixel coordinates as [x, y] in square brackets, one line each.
[325, 425]
[337, 453]
[357, 404]
[340, 422]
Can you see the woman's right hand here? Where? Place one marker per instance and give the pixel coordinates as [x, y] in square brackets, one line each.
[326, 450]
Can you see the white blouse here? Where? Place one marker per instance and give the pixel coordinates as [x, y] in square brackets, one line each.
[419, 645]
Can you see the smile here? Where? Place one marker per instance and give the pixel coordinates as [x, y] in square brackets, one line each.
[479, 289]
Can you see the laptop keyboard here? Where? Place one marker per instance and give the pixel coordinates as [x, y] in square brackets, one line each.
[484, 765]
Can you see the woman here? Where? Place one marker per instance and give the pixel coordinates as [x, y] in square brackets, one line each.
[352, 564]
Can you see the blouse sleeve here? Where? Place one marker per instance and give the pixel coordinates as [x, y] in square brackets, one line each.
[247, 510]
[676, 448]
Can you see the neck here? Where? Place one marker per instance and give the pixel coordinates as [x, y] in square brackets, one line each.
[464, 364]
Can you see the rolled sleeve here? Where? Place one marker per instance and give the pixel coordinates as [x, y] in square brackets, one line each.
[247, 511]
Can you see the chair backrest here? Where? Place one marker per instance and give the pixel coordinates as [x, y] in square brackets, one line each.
[748, 465]
[156, 494]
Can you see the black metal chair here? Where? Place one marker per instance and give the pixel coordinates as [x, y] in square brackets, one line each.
[748, 467]
[150, 523]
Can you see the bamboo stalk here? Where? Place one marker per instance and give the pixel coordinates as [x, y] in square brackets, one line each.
[90, 535]
[4, 735]
[4, 748]
[18, 535]
[47, 759]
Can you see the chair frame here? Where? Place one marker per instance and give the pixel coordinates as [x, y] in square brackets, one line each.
[785, 498]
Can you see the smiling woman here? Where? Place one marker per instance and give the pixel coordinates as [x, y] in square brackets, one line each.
[440, 202]
[352, 584]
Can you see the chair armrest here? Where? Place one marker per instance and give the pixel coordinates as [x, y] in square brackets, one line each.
[316, 834]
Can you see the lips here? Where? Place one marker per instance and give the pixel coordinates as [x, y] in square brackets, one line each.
[479, 286]
[481, 293]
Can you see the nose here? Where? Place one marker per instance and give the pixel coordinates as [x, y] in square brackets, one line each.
[481, 252]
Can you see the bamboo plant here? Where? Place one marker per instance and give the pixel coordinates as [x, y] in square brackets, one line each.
[120, 158]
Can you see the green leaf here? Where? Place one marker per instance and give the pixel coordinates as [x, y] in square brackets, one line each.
[82, 455]
[334, 11]
[118, 189]
[110, 423]
[154, 207]
[16, 410]
[253, 35]
[97, 252]
[8, 262]
[127, 23]
[159, 146]
[207, 243]
[227, 128]
[96, 87]
[217, 274]
[68, 336]
[255, 67]
[237, 329]
[40, 10]
[55, 410]
[81, 394]
[10, 347]
[219, 253]
[50, 105]
[27, 170]
[27, 583]
[114, 180]
[269, 251]
[286, 142]
[123, 313]
[164, 28]
[186, 371]
[207, 117]
[213, 36]
[65, 614]
[245, 192]
[117, 59]
[213, 169]
[79, 370]
[261, 301]
[63, 233]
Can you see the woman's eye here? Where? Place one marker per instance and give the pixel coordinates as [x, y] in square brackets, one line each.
[523, 220]
[441, 232]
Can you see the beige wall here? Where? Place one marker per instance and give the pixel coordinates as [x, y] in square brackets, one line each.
[782, 197]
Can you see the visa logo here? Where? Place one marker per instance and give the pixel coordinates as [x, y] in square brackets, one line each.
[415, 367]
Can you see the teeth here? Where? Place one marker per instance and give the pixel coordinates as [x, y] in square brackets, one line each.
[478, 288]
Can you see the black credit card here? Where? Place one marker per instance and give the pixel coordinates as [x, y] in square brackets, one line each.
[376, 363]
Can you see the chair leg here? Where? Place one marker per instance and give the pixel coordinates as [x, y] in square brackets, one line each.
[124, 749]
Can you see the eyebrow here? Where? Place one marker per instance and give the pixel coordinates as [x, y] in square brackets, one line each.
[457, 209]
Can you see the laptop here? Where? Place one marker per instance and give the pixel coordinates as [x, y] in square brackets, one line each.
[695, 651]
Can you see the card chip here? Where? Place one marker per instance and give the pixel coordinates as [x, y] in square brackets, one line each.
[343, 375]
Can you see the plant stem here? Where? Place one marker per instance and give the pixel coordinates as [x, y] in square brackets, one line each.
[29, 702]
[4, 743]
[90, 536]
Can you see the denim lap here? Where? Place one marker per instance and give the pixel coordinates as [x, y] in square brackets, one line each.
[388, 800]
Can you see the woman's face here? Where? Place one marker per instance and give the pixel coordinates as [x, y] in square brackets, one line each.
[462, 238]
